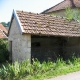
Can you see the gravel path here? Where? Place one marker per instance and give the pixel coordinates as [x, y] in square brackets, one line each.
[70, 76]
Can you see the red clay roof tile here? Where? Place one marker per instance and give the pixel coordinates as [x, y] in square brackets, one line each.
[3, 28]
[2, 35]
[40, 24]
[3, 31]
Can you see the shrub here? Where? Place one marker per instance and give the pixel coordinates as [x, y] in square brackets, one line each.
[69, 14]
[37, 70]
[4, 54]
[73, 14]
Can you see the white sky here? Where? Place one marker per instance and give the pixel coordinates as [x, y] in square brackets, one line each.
[36, 6]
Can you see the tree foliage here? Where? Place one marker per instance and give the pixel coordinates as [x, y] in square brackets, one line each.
[69, 14]
[4, 55]
[5, 24]
[73, 14]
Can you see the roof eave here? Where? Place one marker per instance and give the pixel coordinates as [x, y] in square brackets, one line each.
[18, 22]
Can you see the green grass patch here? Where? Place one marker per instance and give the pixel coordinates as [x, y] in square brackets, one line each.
[37, 70]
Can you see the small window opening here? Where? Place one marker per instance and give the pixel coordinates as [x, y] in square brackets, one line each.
[36, 44]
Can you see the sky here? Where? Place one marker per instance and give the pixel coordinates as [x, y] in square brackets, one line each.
[35, 6]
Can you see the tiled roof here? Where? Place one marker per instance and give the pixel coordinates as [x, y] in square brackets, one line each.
[77, 3]
[3, 31]
[63, 5]
[3, 28]
[2, 35]
[41, 24]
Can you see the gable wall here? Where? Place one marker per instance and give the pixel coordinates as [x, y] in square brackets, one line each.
[58, 13]
[21, 44]
[61, 13]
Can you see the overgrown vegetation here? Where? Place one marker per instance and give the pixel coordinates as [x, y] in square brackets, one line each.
[38, 71]
[72, 14]
[4, 54]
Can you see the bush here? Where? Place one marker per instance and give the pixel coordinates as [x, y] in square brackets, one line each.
[4, 54]
[37, 70]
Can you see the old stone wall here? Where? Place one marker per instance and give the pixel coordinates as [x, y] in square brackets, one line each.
[72, 47]
[21, 44]
[58, 13]
[44, 48]
[51, 48]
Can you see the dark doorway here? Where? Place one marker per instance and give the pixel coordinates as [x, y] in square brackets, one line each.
[45, 48]
[10, 50]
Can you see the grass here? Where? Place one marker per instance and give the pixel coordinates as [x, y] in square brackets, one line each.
[37, 70]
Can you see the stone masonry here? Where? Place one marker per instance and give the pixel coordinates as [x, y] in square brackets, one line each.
[21, 45]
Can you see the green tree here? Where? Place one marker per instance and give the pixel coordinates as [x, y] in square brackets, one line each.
[4, 23]
[76, 14]
[4, 55]
[73, 14]
[69, 14]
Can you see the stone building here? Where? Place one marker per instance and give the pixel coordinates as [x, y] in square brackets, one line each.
[59, 9]
[42, 36]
